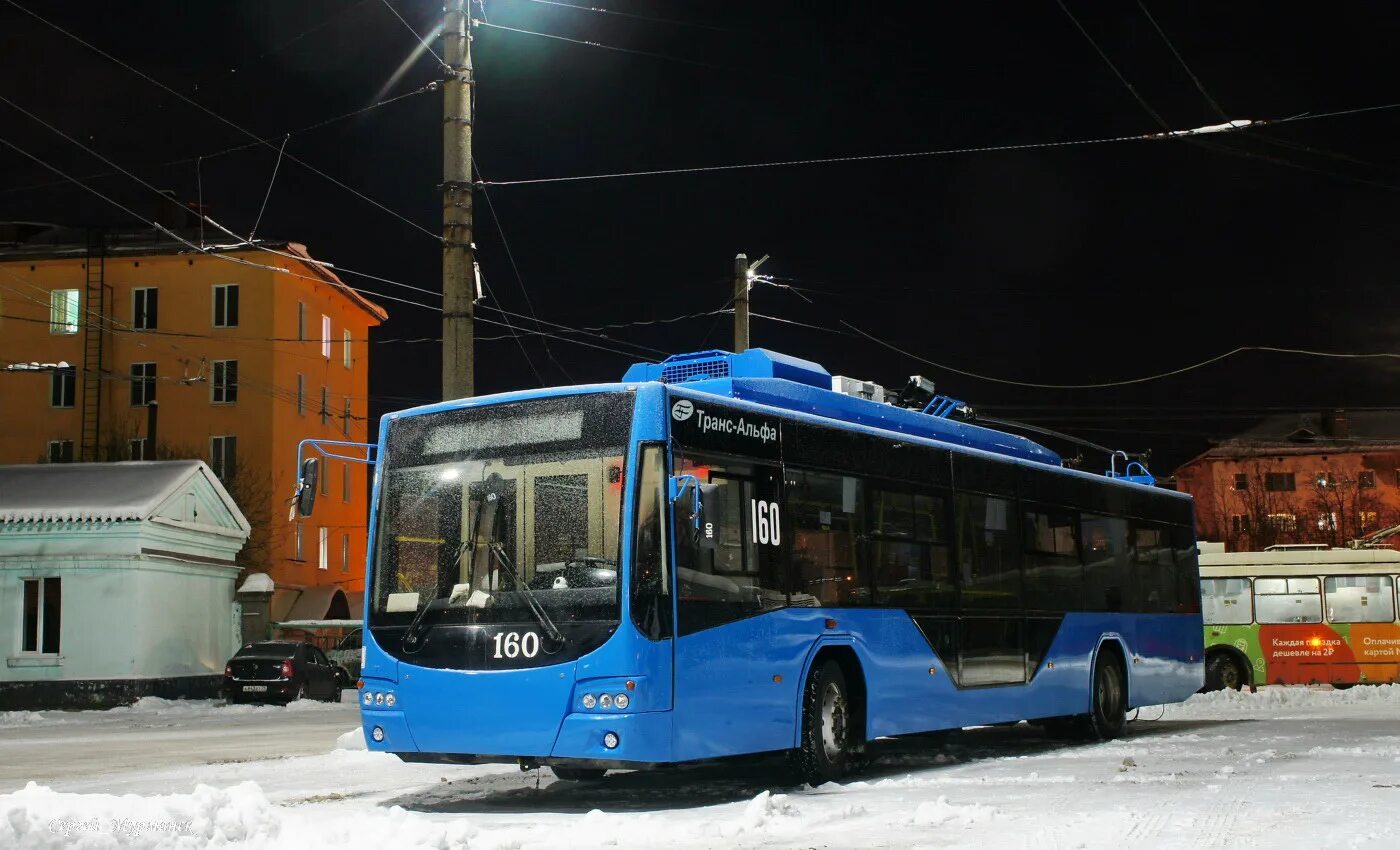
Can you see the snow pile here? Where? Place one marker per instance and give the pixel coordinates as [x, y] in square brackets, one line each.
[1228, 703]
[193, 708]
[940, 812]
[352, 740]
[38, 818]
[26, 718]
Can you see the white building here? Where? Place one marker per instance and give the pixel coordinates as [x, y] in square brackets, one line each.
[116, 582]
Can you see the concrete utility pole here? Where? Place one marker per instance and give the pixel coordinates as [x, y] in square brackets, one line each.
[458, 253]
[741, 303]
[743, 276]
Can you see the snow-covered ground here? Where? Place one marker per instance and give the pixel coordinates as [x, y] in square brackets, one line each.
[1284, 768]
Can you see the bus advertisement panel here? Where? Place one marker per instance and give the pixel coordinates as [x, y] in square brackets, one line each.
[1301, 617]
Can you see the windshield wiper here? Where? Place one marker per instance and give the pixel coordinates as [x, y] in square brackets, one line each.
[412, 640]
[556, 637]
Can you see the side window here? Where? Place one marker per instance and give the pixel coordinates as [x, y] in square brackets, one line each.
[1226, 602]
[909, 550]
[989, 557]
[1287, 600]
[1054, 573]
[1154, 569]
[826, 513]
[651, 582]
[1108, 582]
[742, 573]
[1360, 599]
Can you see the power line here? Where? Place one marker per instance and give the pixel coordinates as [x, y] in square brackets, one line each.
[648, 18]
[211, 113]
[662, 56]
[410, 28]
[1114, 68]
[1181, 61]
[1130, 381]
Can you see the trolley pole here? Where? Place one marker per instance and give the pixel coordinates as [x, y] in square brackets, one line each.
[741, 303]
[458, 252]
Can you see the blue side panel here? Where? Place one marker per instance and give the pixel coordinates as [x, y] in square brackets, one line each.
[727, 702]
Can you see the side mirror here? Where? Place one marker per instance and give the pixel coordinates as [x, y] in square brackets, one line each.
[697, 505]
[306, 488]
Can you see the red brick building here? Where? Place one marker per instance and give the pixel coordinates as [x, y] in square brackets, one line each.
[1327, 477]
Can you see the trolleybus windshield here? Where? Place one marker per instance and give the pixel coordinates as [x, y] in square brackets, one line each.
[507, 513]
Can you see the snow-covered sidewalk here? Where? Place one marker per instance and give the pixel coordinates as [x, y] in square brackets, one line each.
[1285, 768]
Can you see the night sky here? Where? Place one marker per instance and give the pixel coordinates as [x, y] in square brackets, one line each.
[1066, 265]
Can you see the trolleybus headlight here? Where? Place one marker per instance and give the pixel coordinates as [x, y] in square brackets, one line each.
[621, 701]
[605, 700]
[377, 733]
[389, 700]
[378, 699]
[589, 700]
[369, 697]
[610, 740]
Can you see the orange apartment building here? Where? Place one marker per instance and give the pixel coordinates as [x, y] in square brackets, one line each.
[1329, 478]
[241, 352]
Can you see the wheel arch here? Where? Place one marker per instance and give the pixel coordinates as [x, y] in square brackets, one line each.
[1235, 655]
[845, 654]
[1113, 644]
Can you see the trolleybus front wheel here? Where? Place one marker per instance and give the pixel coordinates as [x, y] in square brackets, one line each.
[826, 751]
[1223, 672]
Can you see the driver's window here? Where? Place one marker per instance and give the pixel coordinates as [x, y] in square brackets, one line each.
[742, 572]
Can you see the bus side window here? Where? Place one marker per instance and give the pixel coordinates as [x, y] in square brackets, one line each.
[1360, 599]
[1226, 602]
[828, 521]
[1288, 600]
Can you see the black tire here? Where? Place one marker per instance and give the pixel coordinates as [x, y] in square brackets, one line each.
[829, 743]
[578, 774]
[1342, 687]
[1108, 699]
[1224, 672]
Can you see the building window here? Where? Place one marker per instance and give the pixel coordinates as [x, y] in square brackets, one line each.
[1241, 481]
[223, 456]
[143, 384]
[60, 451]
[1324, 478]
[1327, 521]
[345, 418]
[144, 303]
[326, 336]
[1283, 522]
[325, 479]
[346, 349]
[345, 553]
[226, 305]
[301, 321]
[296, 542]
[224, 385]
[325, 406]
[1278, 482]
[323, 543]
[1239, 523]
[345, 482]
[1368, 520]
[136, 449]
[61, 387]
[1366, 479]
[301, 394]
[42, 616]
[63, 311]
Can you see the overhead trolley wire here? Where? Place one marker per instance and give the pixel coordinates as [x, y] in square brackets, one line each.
[650, 19]
[211, 113]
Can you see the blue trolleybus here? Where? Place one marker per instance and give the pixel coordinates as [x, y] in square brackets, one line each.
[722, 555]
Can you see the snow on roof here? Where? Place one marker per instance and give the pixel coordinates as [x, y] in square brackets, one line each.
[95, 492]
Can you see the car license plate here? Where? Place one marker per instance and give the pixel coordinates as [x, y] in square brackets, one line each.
[255, 688]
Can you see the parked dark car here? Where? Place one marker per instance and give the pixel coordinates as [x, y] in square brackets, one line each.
[280, 671]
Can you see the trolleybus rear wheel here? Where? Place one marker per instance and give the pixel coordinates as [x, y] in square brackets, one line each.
[825, 753]
[1108, 701]
[578, 774]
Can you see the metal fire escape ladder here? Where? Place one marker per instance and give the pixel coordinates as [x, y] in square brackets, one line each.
[93, 312]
